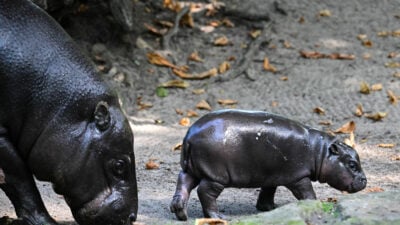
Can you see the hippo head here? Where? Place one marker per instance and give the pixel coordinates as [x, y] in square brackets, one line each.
[93, 166]
[341, 168]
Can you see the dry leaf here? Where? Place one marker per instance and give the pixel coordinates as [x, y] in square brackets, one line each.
[187, 19]
[350, 141]
[184, 122]
[151, 165]
[211, 221]
[367, 43]
[392, 97]
[374, 189]
[396, 33]
[142, 105]
[195, 57]
[179, 111]
[393, 55]
[325, 122]
[376, 87]
[192, 113]
[157, 59]
[311, 55]
[364, 88]
[274, 104]
[361, 37]
[227, 102]
[227, 22]
[198, 91]
[203, 105]
[319, 110]
[386, 145]
[177, 147]
[397, 74]
[255, 33]
[383, 33]
[359, 110]
[287, 44]
[154, 30]
[214, 23]
[325, 13]
[175, 84]
[392, 64]
[318, 55]
[367, 56]
[341, 56]
[347, 128]
[284, 78]
[221, 41]
[225, 66]
[207, 29]
[209, 73]
[268, 66]
[377, 116]
[394, 158]
[165, 23]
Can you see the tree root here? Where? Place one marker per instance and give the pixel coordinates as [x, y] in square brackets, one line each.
[167, 37]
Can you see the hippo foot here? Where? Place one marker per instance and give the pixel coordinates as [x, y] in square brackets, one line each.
[265, 207]
[216, 215]
[178, 206]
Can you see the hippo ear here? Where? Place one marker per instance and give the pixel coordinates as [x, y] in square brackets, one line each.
[102, 116]
[334, 149]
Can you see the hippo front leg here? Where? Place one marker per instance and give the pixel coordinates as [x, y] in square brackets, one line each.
[19, 186]
[208, 192]
[184, 186]
[302, 189]
[265, 200]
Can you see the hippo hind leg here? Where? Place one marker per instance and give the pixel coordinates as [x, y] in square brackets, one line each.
[19, 186]
[208, 192]
[265, 200]
[185, 185]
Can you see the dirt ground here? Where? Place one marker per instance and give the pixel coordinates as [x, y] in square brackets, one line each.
[297, 87]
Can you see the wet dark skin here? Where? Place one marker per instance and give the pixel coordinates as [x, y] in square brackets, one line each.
[60, 123]
[250, 149]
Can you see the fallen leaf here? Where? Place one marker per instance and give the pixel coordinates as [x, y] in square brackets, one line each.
[392, 97]
[192, 113]
[161, 92]
[284, 78]
[274, 104]
[364, 88]
[203, 105]
[207, 29]
[359, 110]
[319, 110]
[396, 33]
[225, 66]
[341, 56]
[376, 87]
[386, 145]
[151, 165]
[255, 33]
[367, 56]
[165, 23]
[318, 55]
[396, 74]
[227, 102]
[374, 189]
[325, 13]
[377, 116]
[347, 128]
[209, 73]
[383, 33]
[211, 221]
[157, 59]
[367, 43]
[361, 37]
[301, 19]
[215, 23]
[227, 23]
[395, 158]
[175, 84]
[198, 91]
[287, 44]
[184, 122]
[221, 41]
[195, 57]
[311, 55]
[392, 64]
[179, 111]
[154, 30]
[143, 105]
[187, 19]
[177, 147]
[350, 141]
[267, 66]
[325, 122]
[393, 55]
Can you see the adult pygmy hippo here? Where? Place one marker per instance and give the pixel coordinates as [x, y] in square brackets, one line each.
[60, 123]
[248, 149]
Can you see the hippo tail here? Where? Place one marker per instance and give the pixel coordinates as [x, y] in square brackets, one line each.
[185, 153]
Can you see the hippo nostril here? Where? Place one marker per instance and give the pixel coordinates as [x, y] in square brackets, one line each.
[132, 217]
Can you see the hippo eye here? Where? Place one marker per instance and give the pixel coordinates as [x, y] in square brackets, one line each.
[119, 167]
[353, 166]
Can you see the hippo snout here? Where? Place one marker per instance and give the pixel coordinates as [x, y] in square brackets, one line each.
[358, 184]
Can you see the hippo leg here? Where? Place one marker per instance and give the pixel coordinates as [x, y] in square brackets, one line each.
[265, 200]
[184, 186]
[208, 192]
[302, 189]
[20, 187]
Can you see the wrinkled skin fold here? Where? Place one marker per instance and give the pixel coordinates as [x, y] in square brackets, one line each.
[60, 123]
[250, 149]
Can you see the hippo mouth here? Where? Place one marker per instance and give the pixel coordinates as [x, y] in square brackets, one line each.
[357, 185]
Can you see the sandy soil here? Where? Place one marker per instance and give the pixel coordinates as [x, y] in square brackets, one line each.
[298, 86]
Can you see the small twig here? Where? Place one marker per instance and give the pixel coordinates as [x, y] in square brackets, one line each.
[246, 58]
[167, 37]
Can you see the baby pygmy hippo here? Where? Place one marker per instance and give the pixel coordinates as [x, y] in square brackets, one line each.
[250, 149]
